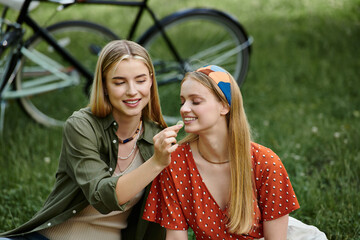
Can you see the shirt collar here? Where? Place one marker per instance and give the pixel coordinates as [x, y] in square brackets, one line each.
[109, 121]
[150, 128]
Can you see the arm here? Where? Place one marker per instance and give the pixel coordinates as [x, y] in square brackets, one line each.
[276, 229]
[276, 197]
[132, 183]
[81, 159]
[176, 234]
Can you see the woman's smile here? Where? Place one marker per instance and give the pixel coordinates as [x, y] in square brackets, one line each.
[132, 102]
[188, 120]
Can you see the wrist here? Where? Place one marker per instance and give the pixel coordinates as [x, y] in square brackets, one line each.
[158, 166]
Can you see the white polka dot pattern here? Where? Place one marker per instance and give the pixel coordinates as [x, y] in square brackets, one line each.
[179, 198]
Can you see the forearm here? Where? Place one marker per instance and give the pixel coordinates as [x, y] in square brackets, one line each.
[176, 234]
[276, 229]
[132, 183]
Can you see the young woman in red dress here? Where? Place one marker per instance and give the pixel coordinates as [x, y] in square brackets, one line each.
[219, 182]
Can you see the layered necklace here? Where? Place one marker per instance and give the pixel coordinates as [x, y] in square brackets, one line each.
[132, 137]
[137, 134]
[208, 159]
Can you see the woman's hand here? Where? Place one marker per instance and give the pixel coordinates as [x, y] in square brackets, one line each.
[135, 181]
[165, 144]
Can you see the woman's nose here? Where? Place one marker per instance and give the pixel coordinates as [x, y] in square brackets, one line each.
[184, 108]
[131, 90]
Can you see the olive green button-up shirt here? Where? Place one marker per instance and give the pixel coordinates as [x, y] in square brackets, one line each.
[87, 161]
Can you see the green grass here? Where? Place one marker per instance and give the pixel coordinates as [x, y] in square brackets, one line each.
[301, 97]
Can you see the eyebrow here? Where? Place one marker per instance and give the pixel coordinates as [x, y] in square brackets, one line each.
[192, 95]
[121, 78]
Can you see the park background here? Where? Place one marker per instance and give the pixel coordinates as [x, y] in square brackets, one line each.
[301, 96]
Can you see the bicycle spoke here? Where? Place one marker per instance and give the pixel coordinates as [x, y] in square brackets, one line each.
[37, 90]
[47, 63]
[37, 82]
[226, 55]
[37, 57]
[216, 56]
[210, 51]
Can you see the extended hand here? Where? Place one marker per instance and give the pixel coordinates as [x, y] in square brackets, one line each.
[165, 144]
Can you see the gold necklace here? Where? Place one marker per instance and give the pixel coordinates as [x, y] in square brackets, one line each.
[207, 159]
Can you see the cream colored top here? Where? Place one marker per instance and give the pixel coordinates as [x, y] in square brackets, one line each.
[91, 224]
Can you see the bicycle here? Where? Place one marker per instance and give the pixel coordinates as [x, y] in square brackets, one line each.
[43, 71]
[219, 39]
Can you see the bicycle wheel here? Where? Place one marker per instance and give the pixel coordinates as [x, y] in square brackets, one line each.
[200, 37]
[53, 106]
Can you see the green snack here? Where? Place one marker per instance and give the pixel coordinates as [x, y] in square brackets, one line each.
[180, 123]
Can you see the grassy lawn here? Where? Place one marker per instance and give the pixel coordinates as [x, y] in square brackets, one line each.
[301, 96]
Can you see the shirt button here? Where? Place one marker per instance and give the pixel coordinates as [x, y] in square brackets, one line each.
[74, 211]
[114, 141]
[49, 224]
[114, 123]
[110, 169]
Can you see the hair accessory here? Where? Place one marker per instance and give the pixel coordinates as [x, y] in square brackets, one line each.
[221, 77]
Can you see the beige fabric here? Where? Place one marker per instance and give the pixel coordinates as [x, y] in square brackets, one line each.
[91, 224]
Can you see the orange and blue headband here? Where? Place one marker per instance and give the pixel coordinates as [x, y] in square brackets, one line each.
[221, 77]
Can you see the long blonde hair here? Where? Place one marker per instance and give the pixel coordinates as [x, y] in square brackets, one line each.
[113, 53]
[241, 206]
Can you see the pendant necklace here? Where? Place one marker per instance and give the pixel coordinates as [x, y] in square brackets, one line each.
[138, 131]
[207, 159]
[132, 137]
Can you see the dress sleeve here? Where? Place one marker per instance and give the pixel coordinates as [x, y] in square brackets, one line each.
[84, 164]
[275, 194]
[163, 206]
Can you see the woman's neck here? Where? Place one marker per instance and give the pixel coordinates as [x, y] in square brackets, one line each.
[214, 147]
[213, 142]
[126, 125]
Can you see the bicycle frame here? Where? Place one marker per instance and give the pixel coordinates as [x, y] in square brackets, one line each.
[12, 44]
[177, 64]
[143, 6]
[48, 64]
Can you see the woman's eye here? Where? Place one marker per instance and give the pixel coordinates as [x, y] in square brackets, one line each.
[141, 81]
[118, 83]
[196, 102]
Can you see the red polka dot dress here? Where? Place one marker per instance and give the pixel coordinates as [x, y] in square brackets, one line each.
[179, 198]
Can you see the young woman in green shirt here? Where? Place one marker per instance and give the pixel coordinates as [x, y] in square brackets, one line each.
[111, 152]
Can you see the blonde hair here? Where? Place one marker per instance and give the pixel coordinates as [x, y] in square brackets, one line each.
[241, 206]
[113, 53]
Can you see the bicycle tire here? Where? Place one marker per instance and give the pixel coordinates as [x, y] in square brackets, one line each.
[200, 37]
[84, 41]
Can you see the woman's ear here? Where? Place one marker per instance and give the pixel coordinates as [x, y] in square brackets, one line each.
[152, 76]
[225, 109]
